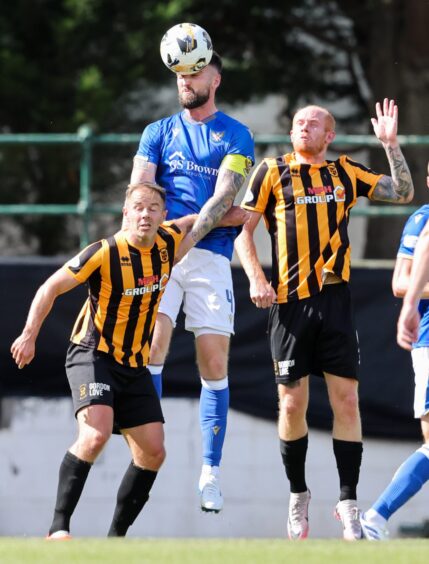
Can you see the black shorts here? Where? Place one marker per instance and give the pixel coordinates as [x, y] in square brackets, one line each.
[314, 335]
[95, 378]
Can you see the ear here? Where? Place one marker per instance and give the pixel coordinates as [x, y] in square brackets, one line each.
[217, 80]
[330, 136]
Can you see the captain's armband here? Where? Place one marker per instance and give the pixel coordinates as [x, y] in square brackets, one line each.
[237, 163]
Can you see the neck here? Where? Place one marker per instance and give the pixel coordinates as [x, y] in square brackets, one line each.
[203, 112]
[140, 242]
[303, 157]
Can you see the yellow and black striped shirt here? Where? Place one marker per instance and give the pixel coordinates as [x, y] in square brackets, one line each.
[306, 210]
[125, 285]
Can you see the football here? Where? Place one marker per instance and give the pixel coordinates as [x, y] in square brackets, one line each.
[186, 48]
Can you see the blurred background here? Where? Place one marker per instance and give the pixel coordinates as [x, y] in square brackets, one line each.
[80, 79]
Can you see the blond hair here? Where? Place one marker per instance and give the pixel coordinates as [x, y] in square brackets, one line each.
[131, 188]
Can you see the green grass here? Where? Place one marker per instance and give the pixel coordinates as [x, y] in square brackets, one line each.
[217, 551]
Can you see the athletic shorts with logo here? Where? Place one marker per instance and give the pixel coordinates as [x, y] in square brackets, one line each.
[202, 280]
[314, 335]
[95, 378]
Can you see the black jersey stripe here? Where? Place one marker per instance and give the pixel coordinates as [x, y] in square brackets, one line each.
[343, 226]
[290, 245]
[127, 343]
[115, 297]
[273, 232]
[156, 269]
[169, 241]
[94, 283]
[327, 180]
[256, 182]
[312, 231]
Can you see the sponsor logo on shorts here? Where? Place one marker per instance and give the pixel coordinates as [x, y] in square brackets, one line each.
[82, 392]
[96, 389]
[281, 367]
[148, 288]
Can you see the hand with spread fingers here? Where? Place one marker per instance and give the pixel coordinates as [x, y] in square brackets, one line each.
[386, 123]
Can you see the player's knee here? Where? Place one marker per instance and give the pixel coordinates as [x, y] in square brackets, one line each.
[292, 408]
[346, 406]
[213, 367]
[92, 442]
[159, 456]
[152, 457]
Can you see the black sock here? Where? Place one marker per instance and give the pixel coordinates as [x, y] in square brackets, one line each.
[294, 454]
[348, 455]
[72, 477]
[132, 495]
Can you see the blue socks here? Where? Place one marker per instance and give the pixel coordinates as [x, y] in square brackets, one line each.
[407, 481]
[156, 372]
[214, 403]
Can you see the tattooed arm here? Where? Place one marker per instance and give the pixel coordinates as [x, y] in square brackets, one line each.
[227, 187]
[397, 188]
[216, 210]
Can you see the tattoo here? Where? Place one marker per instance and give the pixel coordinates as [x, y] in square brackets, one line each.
[397, 188]
[227, 187]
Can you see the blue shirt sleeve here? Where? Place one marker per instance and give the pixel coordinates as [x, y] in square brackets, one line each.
[410, 235]
[243, 144]
[150, 143]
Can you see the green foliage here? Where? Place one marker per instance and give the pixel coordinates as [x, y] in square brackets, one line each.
[68, 62]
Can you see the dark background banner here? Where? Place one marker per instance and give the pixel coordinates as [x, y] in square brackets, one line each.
[386, 376]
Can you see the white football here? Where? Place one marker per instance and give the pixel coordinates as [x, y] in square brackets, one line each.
[186, 48]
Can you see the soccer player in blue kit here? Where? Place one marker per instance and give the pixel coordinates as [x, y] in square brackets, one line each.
[414, 472]
[201, 157]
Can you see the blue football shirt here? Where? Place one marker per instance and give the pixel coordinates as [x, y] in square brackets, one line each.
[188, 156]
[409, 238]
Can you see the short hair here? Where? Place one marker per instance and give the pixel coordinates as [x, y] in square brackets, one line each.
[329, 118]
[151, 185]
[216, 61]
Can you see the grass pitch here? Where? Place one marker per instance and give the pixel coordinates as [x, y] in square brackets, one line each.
[213, 551]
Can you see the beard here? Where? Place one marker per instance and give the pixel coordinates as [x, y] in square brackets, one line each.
[312, 148]
[191, 100]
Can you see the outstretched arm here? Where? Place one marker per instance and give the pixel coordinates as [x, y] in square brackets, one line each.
[262, 293]
[24, 347]
[397, 188]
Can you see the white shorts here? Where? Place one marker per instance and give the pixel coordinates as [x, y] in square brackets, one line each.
[420, 358]
[202, 280]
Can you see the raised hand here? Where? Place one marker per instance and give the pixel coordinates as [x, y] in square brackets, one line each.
[386, 123]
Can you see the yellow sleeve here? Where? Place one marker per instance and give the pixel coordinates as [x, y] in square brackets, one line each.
[86, 262]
